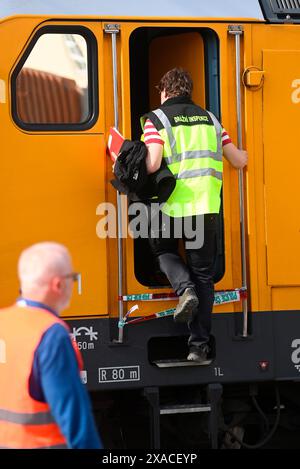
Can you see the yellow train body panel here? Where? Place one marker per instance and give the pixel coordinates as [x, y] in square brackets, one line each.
[53, 181]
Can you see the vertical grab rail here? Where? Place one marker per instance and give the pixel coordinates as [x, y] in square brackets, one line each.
[237, 31]
[114, 29]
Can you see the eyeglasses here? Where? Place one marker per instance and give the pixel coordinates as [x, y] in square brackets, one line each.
[76, 277]
[73, 275]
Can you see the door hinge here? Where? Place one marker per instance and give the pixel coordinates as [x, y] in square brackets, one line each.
[111, 28]
[235, 29]
[253, 78]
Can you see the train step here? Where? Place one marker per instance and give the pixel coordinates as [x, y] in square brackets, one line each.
[184, 409]
[175, 363]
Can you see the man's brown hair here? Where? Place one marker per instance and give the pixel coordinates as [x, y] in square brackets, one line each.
[176, 82]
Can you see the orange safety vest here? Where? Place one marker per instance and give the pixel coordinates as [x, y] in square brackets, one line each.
[25, 422]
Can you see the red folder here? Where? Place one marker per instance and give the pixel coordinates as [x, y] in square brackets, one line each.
[115, 141]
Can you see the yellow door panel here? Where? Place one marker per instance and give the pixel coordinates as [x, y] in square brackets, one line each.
[54, 188]
[282, 165]
[185, 50]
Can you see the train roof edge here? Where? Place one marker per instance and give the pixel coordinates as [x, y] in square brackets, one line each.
[250, 9]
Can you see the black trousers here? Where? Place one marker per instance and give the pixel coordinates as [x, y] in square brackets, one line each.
[198, 270]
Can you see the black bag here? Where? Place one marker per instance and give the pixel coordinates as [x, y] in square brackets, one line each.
[130, 167]
[133, 180]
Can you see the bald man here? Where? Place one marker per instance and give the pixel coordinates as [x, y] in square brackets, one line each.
[43, 403]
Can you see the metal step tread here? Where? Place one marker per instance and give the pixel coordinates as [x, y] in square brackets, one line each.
[177, 362]
[184, 409]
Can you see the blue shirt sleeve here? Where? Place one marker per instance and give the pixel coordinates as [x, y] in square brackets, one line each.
[55, 379]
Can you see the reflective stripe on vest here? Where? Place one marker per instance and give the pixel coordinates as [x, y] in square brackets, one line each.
[190, 155]
[39, 418]
[198, 170]
[167, 125]
[218, 128]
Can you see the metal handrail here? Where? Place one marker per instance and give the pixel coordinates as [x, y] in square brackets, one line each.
[237, 31]
[114, 29]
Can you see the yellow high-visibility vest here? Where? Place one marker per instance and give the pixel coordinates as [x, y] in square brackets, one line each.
[193, 153]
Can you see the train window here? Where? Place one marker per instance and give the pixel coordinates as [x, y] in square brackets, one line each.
[53, 84]
[153, 51]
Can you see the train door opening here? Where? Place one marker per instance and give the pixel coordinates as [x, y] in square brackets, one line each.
[154, 51]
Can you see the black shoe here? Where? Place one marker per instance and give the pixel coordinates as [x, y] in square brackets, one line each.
[188, 302]
[200, 354]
